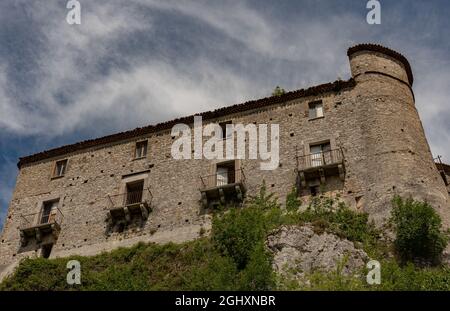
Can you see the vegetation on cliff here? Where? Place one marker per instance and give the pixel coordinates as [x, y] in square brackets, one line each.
[234, 256]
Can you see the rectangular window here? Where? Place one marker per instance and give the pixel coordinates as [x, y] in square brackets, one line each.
[48, 212]
[225, 133]
[315, 110]
[141, 149]
[60, 168]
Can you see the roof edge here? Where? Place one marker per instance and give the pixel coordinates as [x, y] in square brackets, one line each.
[335, 86]
[384, 50]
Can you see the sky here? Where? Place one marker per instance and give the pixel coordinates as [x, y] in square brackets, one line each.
[138, 62]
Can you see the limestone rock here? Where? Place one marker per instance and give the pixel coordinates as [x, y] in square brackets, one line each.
[300, 250]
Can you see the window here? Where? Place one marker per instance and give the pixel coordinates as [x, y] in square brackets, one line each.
[315, 110]
[134, 192]
[141, 149]
[225, 173]
[320, 154]
[48, 212]
[60, 168]
[225, 133]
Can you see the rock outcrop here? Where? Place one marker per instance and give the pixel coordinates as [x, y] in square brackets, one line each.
[299, 250]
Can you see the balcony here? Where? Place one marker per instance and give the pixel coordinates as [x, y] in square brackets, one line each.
[222, 188]
[38, 226]
[320, 165]
[122, 207]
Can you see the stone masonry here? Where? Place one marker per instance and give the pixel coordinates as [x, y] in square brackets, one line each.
[369, 121]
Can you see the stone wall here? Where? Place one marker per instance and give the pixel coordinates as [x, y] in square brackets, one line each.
[375, 124]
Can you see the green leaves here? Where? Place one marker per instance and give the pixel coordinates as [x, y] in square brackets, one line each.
[418, 231]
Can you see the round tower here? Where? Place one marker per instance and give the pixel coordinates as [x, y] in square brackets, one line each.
[396, 157]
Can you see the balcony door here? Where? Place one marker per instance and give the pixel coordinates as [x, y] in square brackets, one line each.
[225, 173]
[48, 212]
[134, 192]
[320, 154]
[222, 176]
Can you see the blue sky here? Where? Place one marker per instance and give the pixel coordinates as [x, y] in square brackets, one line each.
[137, 62]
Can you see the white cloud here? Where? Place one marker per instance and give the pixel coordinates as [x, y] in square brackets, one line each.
[153, 90]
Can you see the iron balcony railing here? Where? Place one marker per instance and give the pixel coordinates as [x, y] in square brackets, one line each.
[220, 180]
[40, 219]
[320, 159]
[130, 198]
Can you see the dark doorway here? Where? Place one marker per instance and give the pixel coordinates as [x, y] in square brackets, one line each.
[315, 190]
[46, 250]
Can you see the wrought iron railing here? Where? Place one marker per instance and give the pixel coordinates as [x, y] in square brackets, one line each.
[55, 216]
[130, 198]
[320, 159]
[219, 180]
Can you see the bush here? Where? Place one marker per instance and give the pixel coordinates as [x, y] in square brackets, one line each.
[340, 220]
[258, 274]
[292, 201]
[236, 232]
[393, 278]
[263, 201]
[418, 231]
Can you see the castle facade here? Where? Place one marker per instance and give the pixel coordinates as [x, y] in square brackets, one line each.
[361, 140]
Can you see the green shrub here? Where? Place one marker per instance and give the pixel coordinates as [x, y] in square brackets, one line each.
[258, 274]
[236, 232]
[263, 201]
[418, 231]
[292, 201]
[340, 220]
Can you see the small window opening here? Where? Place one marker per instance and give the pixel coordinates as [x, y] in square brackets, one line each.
[141, 149]
[225, 134]
[60, 168]
[315, 110]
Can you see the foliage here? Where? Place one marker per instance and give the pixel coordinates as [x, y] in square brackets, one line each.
[263, 201]
[328, 215]
[236, 232]
[258, 274]
[418, 231]
[292, 200]
[235, 257]
[394, 277]
[189, 266]
[278, 91]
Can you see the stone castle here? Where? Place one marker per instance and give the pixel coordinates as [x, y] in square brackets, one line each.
[361, 139]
